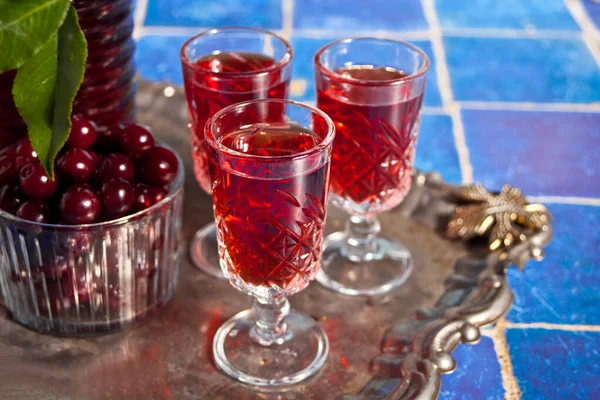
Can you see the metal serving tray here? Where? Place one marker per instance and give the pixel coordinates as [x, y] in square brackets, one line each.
[392, 347]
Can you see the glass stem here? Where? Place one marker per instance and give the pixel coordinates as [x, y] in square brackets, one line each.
[362, 233]
[270, 327]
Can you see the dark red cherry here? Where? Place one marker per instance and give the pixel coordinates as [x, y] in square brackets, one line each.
[117, 197]
[36, 211]
[76, 165]
[84, 134]
[115, 166]
[135, 139]
[11, 198]
[142, 197]
[95, 157]
[10, 150]
[35, 183]
[158, 193]
[158, 166]
[8, 169]
[79, 205]
[24, 153]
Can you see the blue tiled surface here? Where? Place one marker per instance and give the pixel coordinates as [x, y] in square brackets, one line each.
[157, 58]
[477, 375]
[515, 14]
[565, 287]
[526, 70]
[210, 13]
[435, 148]
[540, 152]
[491, 55]
[357, 15]
[305, 49]
[551, 364]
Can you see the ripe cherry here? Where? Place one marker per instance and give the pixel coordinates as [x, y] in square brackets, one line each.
[35, 183]
[11, 198]
[117, 196]
[24, 153]
[115, 166]
[79, 205]
[135, 139]
[142, 197]
[8, 169]
[158, 193]
[146, 196]
[84, 134]
[76, 165]
[158, 166]
[36, 211]
[95, 157]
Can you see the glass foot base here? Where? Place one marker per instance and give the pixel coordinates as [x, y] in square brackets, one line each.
[204, 251]
[299, 356]
[375, 274]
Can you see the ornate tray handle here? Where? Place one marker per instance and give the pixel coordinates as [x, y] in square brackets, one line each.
[416, 352]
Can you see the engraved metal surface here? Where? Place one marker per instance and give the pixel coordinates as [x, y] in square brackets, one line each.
[456, 288]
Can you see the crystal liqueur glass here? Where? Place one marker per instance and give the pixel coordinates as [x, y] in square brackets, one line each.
[223, 67]
[373, 91]
[269, 165]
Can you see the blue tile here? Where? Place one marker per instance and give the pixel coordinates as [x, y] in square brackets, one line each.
[593, 10]
[514, 14]
[157, 58]
[544, 153]
[563, 288]
[477, 375]
[302, 68]
[357, 15]
[549, 70]
[303, 64]
[209, 13]
[435, 148]
[552, 364]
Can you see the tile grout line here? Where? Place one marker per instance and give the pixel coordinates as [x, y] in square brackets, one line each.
[139, 17]
[509, 382]
[323, 33]
[581, 201]
[287, 12]
[529, 106]
[590, 34]
[445, 87]
[340, 33]
[549, 326]
[507, 33]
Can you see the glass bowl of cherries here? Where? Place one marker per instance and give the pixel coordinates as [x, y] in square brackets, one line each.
[96, 249]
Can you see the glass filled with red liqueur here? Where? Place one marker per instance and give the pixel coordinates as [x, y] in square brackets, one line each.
[373, 90]
[269, 163]
[222, 67]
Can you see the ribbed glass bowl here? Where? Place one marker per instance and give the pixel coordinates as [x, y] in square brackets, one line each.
[91, 279]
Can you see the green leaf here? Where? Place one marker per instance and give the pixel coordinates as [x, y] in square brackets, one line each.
[45, 88]
[25, 26]
[33, 91]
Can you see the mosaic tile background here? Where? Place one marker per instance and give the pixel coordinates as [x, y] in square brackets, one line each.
[513, 96]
